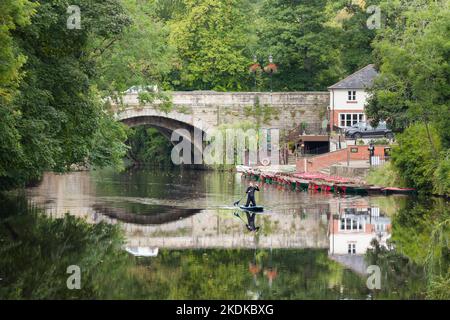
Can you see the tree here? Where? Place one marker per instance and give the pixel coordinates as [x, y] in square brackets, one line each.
[13, 14]
[413, 88]
[149, 146]
[304, 46]
[211, 41]
[414, 159]
[413, 53]
[356, 38]
[141, 56]
[56, 113]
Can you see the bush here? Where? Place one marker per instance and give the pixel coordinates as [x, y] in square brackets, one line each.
[442, 176]
[416, 158]
[379, 142]
[386, 176]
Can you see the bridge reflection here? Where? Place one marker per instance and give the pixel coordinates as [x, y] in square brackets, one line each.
[163, 214]
[198, 220]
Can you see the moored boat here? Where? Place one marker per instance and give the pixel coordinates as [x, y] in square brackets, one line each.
[392, 190]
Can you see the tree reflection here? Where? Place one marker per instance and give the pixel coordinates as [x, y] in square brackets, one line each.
[419, 265]
[36, 251]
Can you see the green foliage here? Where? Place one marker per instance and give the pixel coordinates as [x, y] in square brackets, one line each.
[421, 232]
[303, 45]
[141, 56]
[13, 13]
[385, 176]
[36, 251]
[356, 38]
[401, 277]
[184, 110]
[379, 142]
[262, 114]
[412, 91]
[416, 157]
[108, 148]
[211, 43]
[161, 101]
[55, 118]
[149, 147]
[441, 176]
[412, 51]
[415, 265]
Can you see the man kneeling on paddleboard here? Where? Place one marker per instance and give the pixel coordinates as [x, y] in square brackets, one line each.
[251, 194]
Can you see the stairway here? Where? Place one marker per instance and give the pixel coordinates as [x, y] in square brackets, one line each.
[325, 171]
[291, 159]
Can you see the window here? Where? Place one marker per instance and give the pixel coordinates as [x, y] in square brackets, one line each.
[351, 248]
[360, 117]
[350, 119]
[351, 224]
[352, 96]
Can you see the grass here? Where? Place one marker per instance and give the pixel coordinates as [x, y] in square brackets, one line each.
[385, 176]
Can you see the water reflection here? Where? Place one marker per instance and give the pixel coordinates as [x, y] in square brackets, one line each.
[146, 206]
[251, 217]
[153, 215]
[308, 245]
[353, 227]
[143, 204]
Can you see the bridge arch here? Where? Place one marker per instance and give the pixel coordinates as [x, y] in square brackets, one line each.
[166, 124]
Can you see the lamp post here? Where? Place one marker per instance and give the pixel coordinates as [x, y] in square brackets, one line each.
[270, 69]
[254, 68]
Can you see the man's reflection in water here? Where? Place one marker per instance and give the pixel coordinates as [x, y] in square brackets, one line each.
[250, 224]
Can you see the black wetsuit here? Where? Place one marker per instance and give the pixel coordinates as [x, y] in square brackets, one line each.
[251, 196]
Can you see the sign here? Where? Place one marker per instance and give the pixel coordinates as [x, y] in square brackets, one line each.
[354, 150]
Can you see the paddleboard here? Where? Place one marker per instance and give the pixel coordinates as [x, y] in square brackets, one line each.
[252, 209]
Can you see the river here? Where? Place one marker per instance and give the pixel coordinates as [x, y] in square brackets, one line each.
[310, 245]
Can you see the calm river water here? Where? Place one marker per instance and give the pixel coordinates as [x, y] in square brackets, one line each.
[308, 246]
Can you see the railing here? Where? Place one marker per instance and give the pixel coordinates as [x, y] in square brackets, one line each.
[315, 128]
[377, 161]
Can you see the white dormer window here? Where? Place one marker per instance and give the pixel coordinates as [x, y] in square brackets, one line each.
[352, 96]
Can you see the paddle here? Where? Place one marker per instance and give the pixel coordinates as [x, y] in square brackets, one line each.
[237, 215]
[237, 202]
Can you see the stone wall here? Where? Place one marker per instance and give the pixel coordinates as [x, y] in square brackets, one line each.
[284, 110]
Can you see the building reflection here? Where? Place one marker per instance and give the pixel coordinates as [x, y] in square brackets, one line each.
[352, 228]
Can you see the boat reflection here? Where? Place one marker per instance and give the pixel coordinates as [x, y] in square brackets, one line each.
[142, 251]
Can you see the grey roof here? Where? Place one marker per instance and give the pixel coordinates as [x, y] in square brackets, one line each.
[361, 79]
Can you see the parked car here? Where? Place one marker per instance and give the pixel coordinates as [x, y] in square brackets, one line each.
[363, 129]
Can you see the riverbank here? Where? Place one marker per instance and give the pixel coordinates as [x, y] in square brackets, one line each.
[320, 182]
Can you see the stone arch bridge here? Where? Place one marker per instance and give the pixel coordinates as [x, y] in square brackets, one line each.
[206, 110]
